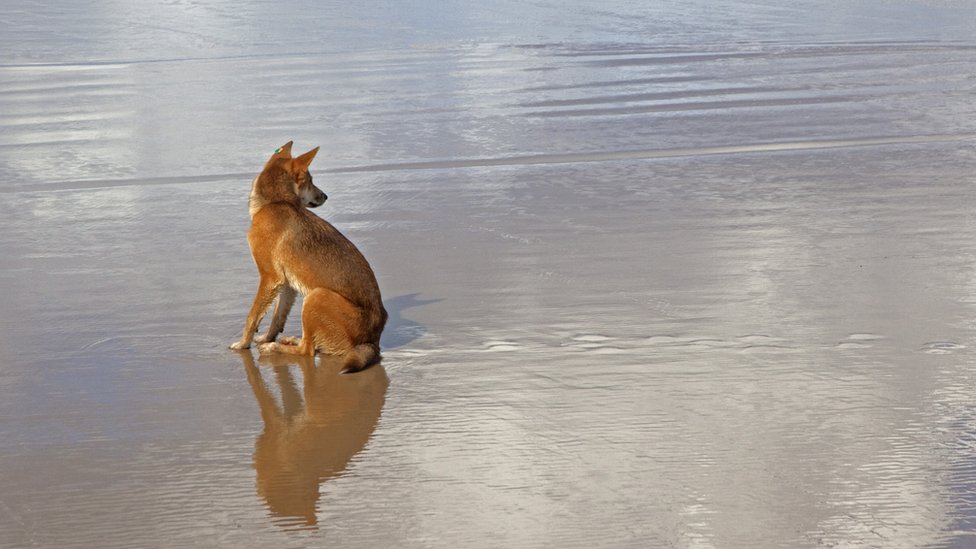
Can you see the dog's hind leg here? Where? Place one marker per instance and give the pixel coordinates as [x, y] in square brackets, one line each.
[333, 325]
[286, 298]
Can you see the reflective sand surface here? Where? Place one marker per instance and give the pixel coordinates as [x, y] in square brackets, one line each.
[659, 274]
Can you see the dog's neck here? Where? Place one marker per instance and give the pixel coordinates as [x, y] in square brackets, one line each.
[264, 191]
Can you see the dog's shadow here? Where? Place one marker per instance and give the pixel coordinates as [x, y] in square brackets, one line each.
[312, 434]
[401, 331]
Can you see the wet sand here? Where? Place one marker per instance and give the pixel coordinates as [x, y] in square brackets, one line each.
[658, 276]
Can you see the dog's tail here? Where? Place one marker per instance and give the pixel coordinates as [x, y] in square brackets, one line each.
[361, 356]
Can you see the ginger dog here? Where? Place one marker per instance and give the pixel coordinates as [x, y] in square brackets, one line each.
[295, 250]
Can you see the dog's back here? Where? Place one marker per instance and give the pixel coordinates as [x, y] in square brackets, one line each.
[293, 248]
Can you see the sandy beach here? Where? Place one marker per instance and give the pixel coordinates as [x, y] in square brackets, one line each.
[659, 275]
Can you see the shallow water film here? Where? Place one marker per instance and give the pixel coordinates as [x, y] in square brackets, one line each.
[659, 274]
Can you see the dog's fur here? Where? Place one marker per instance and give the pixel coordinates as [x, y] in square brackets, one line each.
[297, 251]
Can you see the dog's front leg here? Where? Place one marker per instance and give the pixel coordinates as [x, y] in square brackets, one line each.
[266, 294]
[286, 298]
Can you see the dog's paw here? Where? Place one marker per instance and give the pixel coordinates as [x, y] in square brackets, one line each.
[263, 338]
[266, 348]
[289, 340]
[240, 345]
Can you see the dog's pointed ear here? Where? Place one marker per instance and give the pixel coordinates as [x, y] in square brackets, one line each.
[301, 163]
[283, 151]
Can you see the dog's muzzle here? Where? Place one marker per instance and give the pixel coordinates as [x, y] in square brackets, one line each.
[317, 200]
[312, 197]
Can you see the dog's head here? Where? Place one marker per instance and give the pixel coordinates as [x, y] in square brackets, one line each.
[297, 171]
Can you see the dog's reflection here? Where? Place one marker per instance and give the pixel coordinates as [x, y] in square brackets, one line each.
[307, 441]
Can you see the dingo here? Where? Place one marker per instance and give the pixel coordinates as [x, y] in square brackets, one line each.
[295, 250]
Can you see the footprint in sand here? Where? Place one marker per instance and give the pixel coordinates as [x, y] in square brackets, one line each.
[752, 343]
[594, 343]
[859, 341]
[499, 345]
[664, 340]
[941, 347]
